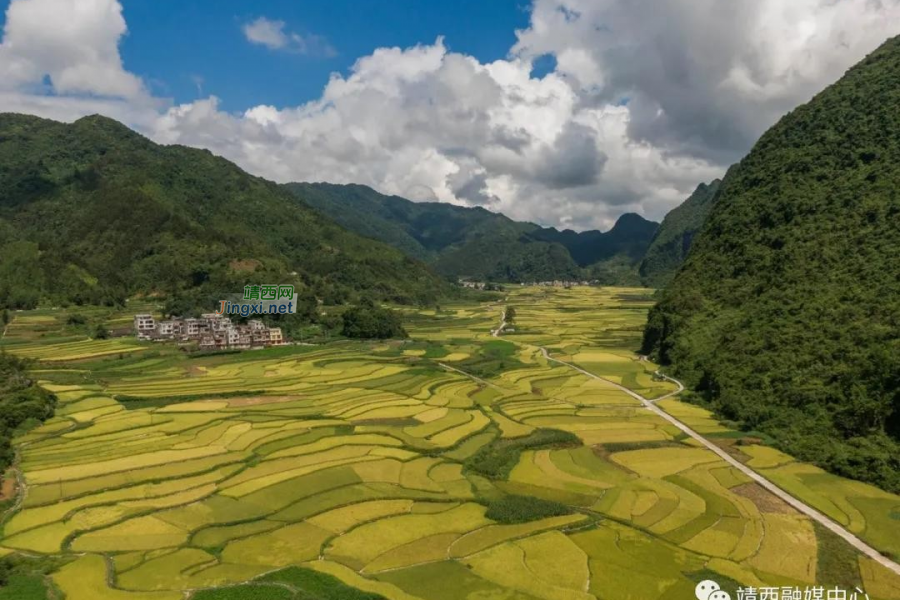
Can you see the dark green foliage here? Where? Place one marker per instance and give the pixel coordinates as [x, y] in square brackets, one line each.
[521, 509]
[673, 239]
[510, 315]
[24, 577]
[497, 459]
[91, 212]
[474, 242]
[247, 592]
[506, 258]
[313, 585]
[23, 587]
[21, 401]
[630, 237]
[100, 332]
[786, 315]
[368, 321]
[76, 319]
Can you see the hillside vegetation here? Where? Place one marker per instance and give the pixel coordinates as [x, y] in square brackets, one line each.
[22, 403]
[91, 212]
[672, 241]
[476, 243]
[786, 314]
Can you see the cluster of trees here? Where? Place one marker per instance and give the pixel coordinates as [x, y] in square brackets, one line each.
[22, 402]
[368, 321]
[786, 314]
[521, 509]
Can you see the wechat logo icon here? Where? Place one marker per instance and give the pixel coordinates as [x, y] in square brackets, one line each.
[710, 590]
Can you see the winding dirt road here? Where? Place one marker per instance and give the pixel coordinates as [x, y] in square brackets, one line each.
[768, 485]
[499, 330]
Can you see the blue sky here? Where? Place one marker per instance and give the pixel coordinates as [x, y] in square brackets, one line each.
[561, 112]
[172, 45]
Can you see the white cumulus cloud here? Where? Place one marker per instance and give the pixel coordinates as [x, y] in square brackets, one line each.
[646, 100]
[273, 35]
[73, 43]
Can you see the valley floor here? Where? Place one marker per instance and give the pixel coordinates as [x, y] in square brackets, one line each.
[457, 466]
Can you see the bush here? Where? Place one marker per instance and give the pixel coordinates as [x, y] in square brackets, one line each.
[76, 319]
[521, 509]
[21, 402]
[368, 321]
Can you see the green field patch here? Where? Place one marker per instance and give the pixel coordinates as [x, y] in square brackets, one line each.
[342, 519]
[563, 577]
[347, 495]
[837, 563]
[470, 446]
[658, 463]
[427, 549]
[363, 544]
[278, 548]
[214, 510]
[140, 533]
[166, 572]
[489, 536]
[789, 548]
[448, 580]
[279, 496]
[213, 537]
[627, 564]
[497, 459]
[552, 494]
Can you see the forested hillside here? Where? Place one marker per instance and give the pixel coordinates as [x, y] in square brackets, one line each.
[669, 246]
[786, 314]
[91, 212]
[22, 403]
[477, 243]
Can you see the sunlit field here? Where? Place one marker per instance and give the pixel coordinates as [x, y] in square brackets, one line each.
[453, 466]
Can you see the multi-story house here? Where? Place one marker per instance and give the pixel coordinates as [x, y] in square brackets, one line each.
[144, 325]
[275, 337]
[211, 331]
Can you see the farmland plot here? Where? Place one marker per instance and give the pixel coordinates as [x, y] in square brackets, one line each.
[454, 466]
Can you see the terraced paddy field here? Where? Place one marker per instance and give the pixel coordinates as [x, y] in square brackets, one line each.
[455, 465]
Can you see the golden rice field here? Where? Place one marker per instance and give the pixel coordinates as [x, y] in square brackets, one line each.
[399, 469]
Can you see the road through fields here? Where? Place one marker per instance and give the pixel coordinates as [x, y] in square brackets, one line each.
[804, 508]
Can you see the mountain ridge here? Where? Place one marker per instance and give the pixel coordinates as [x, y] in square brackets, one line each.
[94, 212]
[477, 243]
[785, 316]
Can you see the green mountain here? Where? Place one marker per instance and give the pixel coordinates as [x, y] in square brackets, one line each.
[670, 244]
[474, 242]
[93, 212]
[630, 237]
[786, 313]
